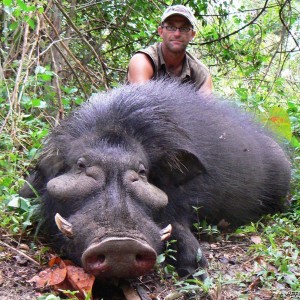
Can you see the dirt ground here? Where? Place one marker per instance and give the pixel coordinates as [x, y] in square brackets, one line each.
[233, 271]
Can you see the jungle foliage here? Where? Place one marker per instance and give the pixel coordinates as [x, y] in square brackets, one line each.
[55, 54]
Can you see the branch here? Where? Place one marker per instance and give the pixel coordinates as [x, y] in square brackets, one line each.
[238, 30]
[60, 113]
[236, 12]
[14, 96]
[70, 22]
[20, 252]
[289, 51]
[69, 52]
[285, 25]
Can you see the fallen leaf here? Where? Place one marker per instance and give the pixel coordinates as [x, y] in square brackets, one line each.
[256, 239]
[24, 247]
[51, 276]
[260, 260]
[254, 284]
[80, 280]
[55, 260]
[64, 276]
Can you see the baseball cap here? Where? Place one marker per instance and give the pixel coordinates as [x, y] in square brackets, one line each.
[179, 10]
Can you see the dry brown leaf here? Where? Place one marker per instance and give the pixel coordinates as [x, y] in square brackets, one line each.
[63, 275]
[256, 239]
[260, 260]
[213, 246]
[254, 284]
[80, 280]
[51, 276]
[64, 287]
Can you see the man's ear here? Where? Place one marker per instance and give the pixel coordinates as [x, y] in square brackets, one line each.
[193, 35]
[159, 30]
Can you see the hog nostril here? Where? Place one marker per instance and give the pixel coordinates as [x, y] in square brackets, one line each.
[101, 259]
[134, 178]
[139, 258]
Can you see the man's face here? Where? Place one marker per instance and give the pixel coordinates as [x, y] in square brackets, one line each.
[176, 41]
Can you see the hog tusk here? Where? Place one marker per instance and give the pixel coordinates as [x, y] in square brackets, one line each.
[166, 233]
[63, 225]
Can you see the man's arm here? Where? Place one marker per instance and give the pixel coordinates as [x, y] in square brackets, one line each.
[207, 87]
[140, 68]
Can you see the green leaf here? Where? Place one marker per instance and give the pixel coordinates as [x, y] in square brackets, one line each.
[38, 103]
[19, 202]
[199, 273]
[160, 258]
[22, 5]
[243, 93]
[294, 142]
[13, 26]
[279, 122]
[7, 2]
[45, 77]
[41, 10]
[30, 22]
[39, 70]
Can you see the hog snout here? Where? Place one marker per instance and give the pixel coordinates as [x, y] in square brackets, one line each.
[119, 258]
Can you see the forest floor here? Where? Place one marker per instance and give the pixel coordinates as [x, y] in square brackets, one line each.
[234, 273]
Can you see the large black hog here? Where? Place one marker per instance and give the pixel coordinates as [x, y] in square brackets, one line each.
[128, 163]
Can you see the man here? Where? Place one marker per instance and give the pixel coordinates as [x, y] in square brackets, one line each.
[170, 58]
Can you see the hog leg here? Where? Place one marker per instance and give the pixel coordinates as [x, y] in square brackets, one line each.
[188, 250]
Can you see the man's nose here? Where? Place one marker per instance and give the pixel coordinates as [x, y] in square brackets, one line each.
[177, 31]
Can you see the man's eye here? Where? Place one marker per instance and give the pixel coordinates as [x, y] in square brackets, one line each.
[184, 29]
[171, 28]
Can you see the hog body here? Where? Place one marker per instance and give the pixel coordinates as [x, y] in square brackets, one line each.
[129, 162]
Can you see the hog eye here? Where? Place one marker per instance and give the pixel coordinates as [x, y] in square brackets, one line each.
[81, 165]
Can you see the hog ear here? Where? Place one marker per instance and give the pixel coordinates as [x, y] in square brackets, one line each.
[48, 167]
[182, 167]
[33, 184]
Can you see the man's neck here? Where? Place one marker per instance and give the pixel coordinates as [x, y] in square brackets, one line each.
[174, 61]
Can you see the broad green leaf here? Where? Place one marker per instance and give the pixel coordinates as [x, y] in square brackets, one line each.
[39, 70]
[198, 273]
[36, 102]
[19, 202]
[30, 22]
[22, 5]
[45, 77]
[294, 142]
[160, 258]
[14, 25]
[278, 121]
[7, 2]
